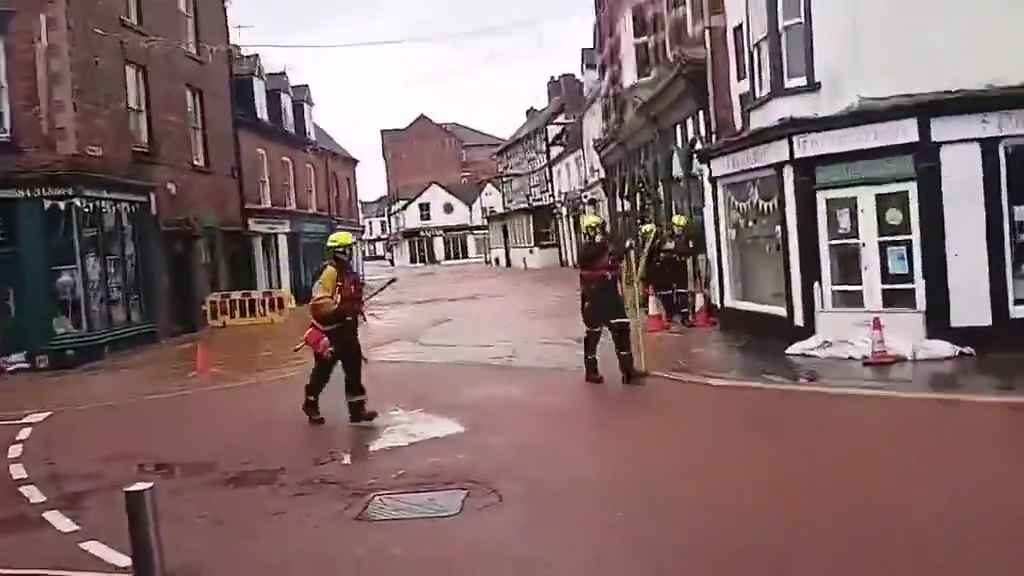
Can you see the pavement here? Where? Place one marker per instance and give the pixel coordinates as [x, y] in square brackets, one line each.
[478, 371]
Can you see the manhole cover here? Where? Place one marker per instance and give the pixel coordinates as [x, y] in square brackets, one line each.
[413, 505]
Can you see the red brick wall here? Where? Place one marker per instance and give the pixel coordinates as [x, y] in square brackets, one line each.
[422, 153]
[277, 148]
[98, 137]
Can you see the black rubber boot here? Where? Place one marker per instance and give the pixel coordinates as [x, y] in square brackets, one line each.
[593, 374]
[359, 415]
[630, 375]
[312, 409]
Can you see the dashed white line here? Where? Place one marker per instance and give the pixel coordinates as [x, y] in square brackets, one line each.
[18, 472]
[61, 522]
[15, 451]
[23, 434]
[36, 418]
[106, 553]
[32, 494]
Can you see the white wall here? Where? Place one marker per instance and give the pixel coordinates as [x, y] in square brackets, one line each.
[963, 205]
[437, 197]
[882, 48]
[593, 129]
[490, 197]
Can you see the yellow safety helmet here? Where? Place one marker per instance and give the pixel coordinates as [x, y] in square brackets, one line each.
[680, 221]
[592, 222]
[340, 241]
[648, 230]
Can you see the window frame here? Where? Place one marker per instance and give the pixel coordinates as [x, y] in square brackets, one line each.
[190, 23]
[767, 74]
[288, 182]
[138, 72]
[5, 99]
[287, 112]
[195, 114]
[642, 41]
[428, 212]
[264, 183]
[133, 12]
[730, 300]
[311, 186]
[783, 26]
[1016, 310]
[740, 53]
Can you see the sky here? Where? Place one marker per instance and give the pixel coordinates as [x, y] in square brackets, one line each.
[491, 63]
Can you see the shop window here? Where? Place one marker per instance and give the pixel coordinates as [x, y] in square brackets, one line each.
[94, 265]
[543, 227]
[1013, 166]
[456, 247]
[754, 247]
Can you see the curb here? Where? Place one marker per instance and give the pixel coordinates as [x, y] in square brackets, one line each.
[840, 390]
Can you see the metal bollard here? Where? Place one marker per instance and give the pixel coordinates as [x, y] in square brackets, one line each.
[144, 529]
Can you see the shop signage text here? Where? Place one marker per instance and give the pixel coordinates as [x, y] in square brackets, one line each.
[877, 170]
[40, 192]
[856, 138]
[751, 158]
[977, 126]
[314, 228]
[269, 226]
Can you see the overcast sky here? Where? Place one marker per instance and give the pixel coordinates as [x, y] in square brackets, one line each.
[484, 80]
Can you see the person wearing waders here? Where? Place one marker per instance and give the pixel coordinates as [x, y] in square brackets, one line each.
[601, 304]
[336, 307]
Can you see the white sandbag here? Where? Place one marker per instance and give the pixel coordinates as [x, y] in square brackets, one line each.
[940, 350]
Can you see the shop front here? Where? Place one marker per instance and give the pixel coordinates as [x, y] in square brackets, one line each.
[73, 267]
[917, 221]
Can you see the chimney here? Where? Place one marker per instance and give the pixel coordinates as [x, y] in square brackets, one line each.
[531, 112]
[572, 91]
[554, 89]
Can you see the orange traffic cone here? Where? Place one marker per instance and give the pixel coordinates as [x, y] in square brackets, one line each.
[655, 315]
[703, 319]
[202, 360]
[880, 355]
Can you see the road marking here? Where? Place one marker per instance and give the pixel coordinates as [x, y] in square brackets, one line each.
[23, 434]
[18, 472]
[32, 494]
[36, 418]
[42, 572]
[837, 390]
[15, 451]
[106, 553]
[62, 523]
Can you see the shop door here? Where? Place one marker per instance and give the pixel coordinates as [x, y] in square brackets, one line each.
[8, 304]
[871, 248]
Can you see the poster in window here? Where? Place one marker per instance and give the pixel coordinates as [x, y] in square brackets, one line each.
[898, 260]
[844, 221]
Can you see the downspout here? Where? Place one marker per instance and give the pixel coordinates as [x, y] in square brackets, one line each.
[710, 69]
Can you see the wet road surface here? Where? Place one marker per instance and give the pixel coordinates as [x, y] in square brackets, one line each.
[562, 477]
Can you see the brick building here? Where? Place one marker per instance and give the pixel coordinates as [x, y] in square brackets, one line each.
[425, 151]
[298, 183]
[119, 208]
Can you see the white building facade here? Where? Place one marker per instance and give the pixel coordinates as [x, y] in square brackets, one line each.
[441, 225]
[876, 169]
[376, 229]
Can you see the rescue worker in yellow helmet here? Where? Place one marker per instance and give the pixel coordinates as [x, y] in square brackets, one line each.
[335, 308]
[601, 302]
[669, 270]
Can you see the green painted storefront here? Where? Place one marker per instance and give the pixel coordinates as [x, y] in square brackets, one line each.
[75, 271]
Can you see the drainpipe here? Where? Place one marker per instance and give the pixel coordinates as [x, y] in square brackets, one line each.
[239, 172]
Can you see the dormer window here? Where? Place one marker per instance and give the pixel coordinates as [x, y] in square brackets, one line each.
[287, 115]
[307, 118]
[259, 91]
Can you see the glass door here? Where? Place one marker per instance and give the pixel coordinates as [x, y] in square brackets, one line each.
[870, 248]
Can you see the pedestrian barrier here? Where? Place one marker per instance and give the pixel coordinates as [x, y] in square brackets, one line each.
[248, 308]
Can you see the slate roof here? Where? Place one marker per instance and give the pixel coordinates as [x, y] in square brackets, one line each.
[327, 142]
[539, 120]
[375, 208]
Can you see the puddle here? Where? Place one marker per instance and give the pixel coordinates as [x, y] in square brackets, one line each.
[254, 478]
[402, 428]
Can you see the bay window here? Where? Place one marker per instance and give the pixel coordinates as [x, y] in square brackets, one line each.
[751, 215]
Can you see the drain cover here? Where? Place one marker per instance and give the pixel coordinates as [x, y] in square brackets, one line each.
[414, 505]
